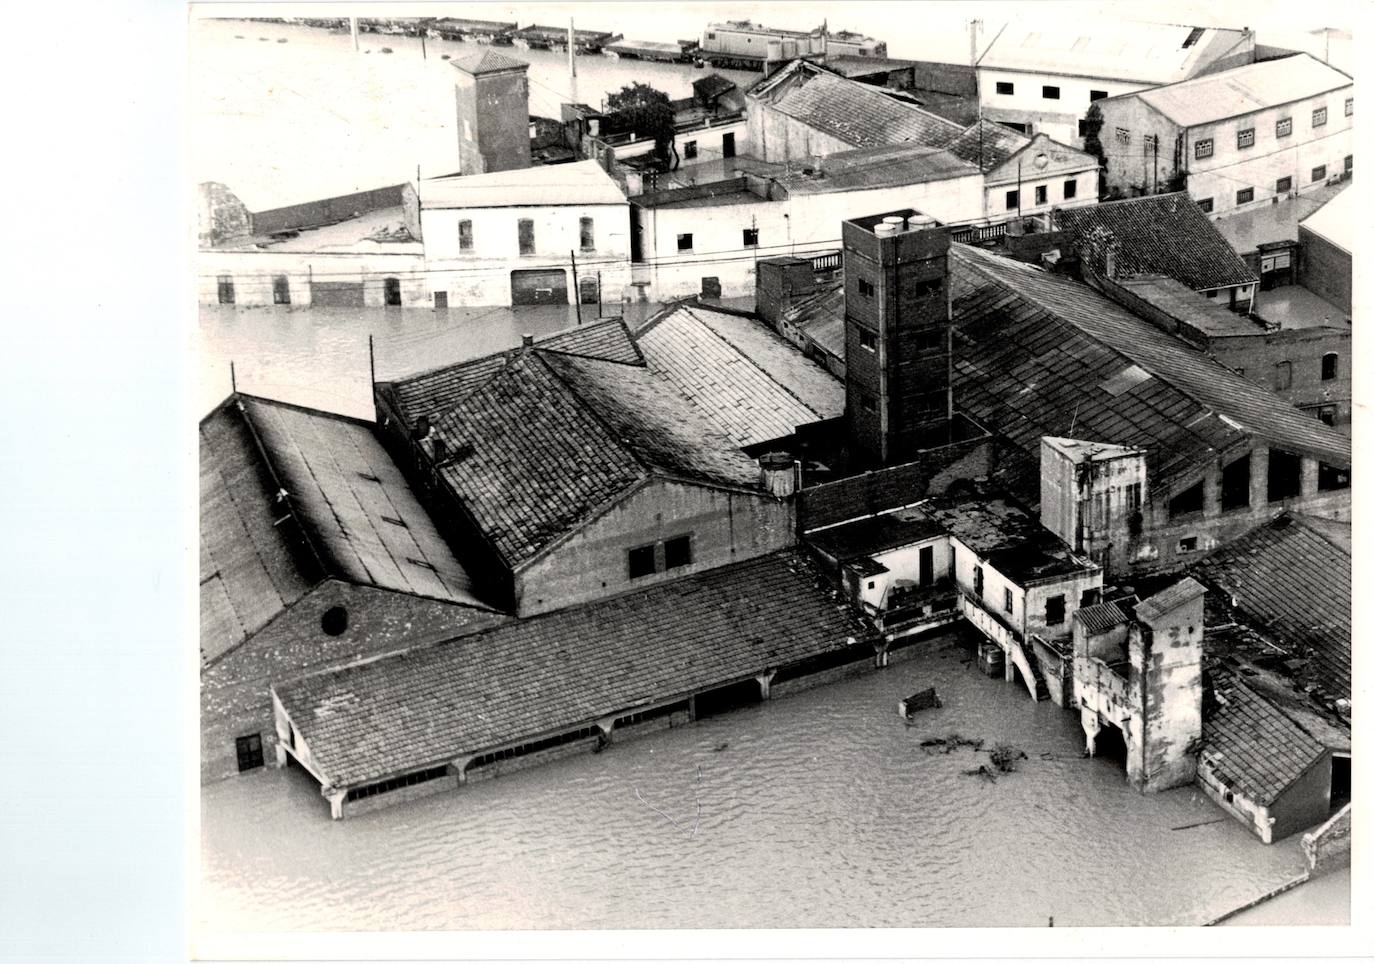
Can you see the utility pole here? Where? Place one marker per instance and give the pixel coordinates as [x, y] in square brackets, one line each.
[353, 29]
[572, 61]
[371, 363]
[973, 26]
[598, 294]
[424, 54]
[233, 379]
[577, 293]
[1156, 175]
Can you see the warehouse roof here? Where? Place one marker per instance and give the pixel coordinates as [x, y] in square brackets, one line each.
[290, 496]
[1154, 53]
[433, 392]
[552, 439]
[557, 671]
[1101, 618]
[1252, 746]
[1244, 90]
[582, 182]
[1013, 542]
[1038, 354]
[1334, 221]
[987, 143]
[875, 534]
[486, 60]
[1162, 234]
[747, 381]
[888, 165]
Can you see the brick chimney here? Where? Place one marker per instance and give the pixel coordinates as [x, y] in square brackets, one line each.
[780, 283]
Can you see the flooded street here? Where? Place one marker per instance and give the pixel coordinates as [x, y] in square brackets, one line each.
[819, 809]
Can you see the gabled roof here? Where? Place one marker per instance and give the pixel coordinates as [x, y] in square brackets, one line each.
[1244, 90]
[1252, 746]
[747, 381]
[487, 61]
[1153, 53]
[1078, 451]
[550, 440]
[582, 182]
[821, 318]
[866, 168]
[1334, 221]
[1162, 234]
[1038, 354]
[1101, 618]
[290, 496]
[858, 114]
[1170, 598]
[433, 392]
[987, 144]
[557, 671]
[1293, 583]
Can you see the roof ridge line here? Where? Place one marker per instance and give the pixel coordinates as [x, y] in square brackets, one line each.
[596, 415]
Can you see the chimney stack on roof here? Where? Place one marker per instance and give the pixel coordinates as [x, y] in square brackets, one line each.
[527, 341]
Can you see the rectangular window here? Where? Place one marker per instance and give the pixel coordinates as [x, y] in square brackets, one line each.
[978, 581]
[641, 562]
[930, 342]
[1187, 544]
[677, 552]
[1283, 185]
[1133, 497]
[1245, 138]
[526, 231]
[929, 405]
[249, 751]
[1245, 195]
[1148, 141]
[1070, 189]
[1006, 87]
[1082, 128]
[1186, 502]
[1319, 173]
[1054, 611]
[1013, 200]
[689, 150]
[1049, 92]
[1327, 414]
[1042, 194]
[1349, 163]
[281, 290]
[1006, 600]
[926, 288]
[586, 229]
[751, 237]
[867, 402]
[684, 242]
[1123, 136]
[865, 288]
[1283, 375]
[1203, 148]
[1330, 363]
[441, 299]
[1096, 95]
[1210, 293]
[226, 289]
[1283, 127]
[1205, 205]
[465, 235]
[868, 340]
[1349, 106]
[1319, 117]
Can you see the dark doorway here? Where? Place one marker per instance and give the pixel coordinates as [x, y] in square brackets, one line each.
[391, 292]
[249, 750]
[927, 564]
[727, 698]
[1285, 473]
[1340, 782]
[226, 289]
[727, 145]
[587, 291]
[1111, 745]
[1235, 484]
[281, 290]
[441, 299]
[336, 294]
[710, 287]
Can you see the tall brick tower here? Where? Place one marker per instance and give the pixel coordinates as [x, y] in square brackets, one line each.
[493, 99]
[897, 335]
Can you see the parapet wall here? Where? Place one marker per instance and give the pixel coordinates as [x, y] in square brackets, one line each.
[1328, 847]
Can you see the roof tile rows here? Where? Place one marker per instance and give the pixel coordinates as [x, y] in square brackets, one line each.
[1165, 234]
[1252, 746]
[1152, 53]
[1244, 90]
[862, 115]
[1294, 584]
[557, 671]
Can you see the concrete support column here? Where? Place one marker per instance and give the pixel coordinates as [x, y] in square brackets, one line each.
[881, 658]
[1008, 670]
[1308, 479]
[336, 801]
[606, 724]
[1091, 727]
[1259, 476]
[281, 753]
[460, 768]
[765, 683]
[1211, 490]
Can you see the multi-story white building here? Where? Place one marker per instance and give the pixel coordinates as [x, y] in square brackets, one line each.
[1240, 138]
[1041, 78]
[517, 237]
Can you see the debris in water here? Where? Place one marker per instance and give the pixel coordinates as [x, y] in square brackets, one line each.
[722, 745]
[982, 771]
[281, 40]
[386, 50]
[927, 699]
[1203, 823]
[669, 817]
[1004, 756]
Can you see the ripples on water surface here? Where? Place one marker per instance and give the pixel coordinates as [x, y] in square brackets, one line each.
[821, 811]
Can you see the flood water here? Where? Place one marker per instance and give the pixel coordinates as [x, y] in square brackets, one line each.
[818, 809]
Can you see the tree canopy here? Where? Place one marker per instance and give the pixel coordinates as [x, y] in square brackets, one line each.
[644, 110]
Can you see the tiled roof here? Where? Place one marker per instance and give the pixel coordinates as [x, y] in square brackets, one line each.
[552, 438]
[1170, 598]
[1200, 313]
[1252, 746]
[1038, 354]
[853, 65]
[884, 165]
[582, 182]
[487, 61]
[875, 535]
[996, 143]
[862, 115]
[251, 568]
[1011, 540]
[1294, 585]
[290, 496]
[1153, 53]
[821, 318]
[556, 671]
[434, 392]
[1101, 618]
[747, 381]
[1244, 90]
[1162, 234]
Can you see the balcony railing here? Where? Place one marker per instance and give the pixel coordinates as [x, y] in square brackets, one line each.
[830, 261]
[972, 234]
[993, 624]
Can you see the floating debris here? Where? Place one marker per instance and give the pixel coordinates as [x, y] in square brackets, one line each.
[1004, 757]
[950, 743]
[722, 745]
[281, 40]
[927, 699]
[386, 50]
[1202, 823]
[982, 771]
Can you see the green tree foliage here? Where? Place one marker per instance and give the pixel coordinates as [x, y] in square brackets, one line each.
[644, 110]
[1092, 135]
